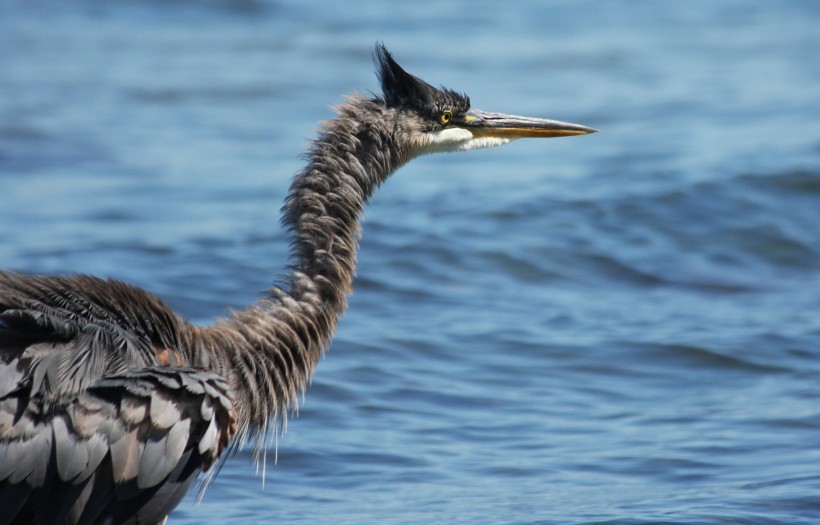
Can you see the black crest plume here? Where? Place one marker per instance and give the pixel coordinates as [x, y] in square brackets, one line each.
[401, 89]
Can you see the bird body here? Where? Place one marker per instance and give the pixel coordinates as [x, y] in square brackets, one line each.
[111, 404]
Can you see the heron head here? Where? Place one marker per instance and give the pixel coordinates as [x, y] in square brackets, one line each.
[440, 120]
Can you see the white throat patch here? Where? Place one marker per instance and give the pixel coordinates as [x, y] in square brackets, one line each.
[459, 139]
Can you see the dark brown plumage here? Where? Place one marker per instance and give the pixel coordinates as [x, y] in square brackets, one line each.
[111, 404]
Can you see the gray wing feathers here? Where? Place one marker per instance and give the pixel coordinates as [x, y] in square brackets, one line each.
[76, 457]
[92, 428]
[162, 454]
[28, 460]
[125, 434]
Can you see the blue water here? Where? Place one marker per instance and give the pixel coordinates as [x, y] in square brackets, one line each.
[617, 328]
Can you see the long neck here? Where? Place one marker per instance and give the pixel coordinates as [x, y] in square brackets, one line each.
[351, 158]
[271, 349]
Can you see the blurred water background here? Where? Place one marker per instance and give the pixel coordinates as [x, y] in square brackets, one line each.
[618, 328]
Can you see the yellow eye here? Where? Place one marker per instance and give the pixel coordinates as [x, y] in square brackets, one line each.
[445, 117]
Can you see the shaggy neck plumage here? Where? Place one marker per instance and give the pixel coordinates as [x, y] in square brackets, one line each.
[276, 344]
[351, 158]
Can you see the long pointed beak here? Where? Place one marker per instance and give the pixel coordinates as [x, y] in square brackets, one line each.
[487, 124]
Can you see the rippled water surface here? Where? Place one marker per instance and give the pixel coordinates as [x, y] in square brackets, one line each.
[618, 328]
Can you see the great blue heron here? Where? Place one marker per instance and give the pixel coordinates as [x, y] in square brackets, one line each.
[111, 404]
